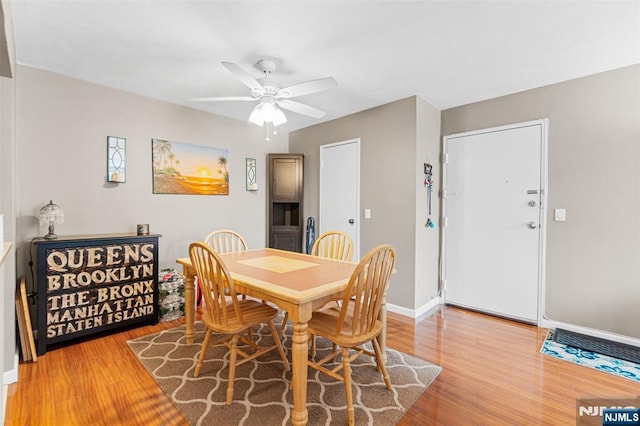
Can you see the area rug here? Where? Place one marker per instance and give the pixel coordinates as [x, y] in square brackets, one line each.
[262, 396]
[628, 370]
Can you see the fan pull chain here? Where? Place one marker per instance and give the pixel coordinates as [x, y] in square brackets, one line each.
[275, 131]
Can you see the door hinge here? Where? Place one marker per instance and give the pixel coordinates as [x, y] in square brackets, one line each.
[445, 222]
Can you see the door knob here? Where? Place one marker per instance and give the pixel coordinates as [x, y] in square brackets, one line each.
[531, 225]
[351, 221]
[532, 203]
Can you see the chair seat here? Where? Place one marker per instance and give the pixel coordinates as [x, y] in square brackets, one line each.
[253, 313]
[324, 323]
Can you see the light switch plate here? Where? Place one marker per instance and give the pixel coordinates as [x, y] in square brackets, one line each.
[559, 215]
[367, 213]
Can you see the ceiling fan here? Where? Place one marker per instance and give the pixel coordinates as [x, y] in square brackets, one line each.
[270, 96]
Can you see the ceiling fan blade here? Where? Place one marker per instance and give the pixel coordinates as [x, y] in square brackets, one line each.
[301, 108]
[243, 76]
[224, 98]
[307, 88]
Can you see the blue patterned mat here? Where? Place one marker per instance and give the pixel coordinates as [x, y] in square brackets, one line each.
[618, 367]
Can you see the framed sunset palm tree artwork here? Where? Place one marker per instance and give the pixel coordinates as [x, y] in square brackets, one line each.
[181, 168]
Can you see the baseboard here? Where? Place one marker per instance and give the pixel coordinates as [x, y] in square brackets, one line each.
[11, 376]
[415, 313]
[546, 323]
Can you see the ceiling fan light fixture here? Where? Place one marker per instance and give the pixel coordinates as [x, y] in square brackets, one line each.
[256, 116]
[279, 117]
[271, 97]
[268, 111]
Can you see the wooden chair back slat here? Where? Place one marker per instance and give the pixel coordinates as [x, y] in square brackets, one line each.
[365, 291]
[333, 245]
[216, 284]
[225, 241]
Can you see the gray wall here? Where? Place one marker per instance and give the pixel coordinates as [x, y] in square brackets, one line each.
[7, 198]
[427, 249]
[6, 42]
[593, 259]
[388, 180]
[61, 129]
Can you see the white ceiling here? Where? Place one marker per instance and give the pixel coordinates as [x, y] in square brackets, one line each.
[448, 53]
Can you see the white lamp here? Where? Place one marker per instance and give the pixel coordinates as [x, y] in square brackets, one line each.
[256, 116]
[267, 112]
[51, 214]
[278, 117]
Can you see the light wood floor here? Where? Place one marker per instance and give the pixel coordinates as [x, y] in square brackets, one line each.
[493, 374]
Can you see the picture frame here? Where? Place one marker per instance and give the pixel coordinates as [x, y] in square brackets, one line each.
[116, 159]
[251, 174]
[182, 168]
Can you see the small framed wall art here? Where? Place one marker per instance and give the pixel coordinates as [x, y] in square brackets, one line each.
[252, 183]
[116, 154]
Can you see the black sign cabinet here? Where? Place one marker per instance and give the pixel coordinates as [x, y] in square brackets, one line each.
[93, 283]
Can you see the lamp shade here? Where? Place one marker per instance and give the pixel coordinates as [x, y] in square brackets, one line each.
[278, 117]
[50, 215]
[256, 116]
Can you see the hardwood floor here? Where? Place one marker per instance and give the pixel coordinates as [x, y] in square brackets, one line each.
[493, 374]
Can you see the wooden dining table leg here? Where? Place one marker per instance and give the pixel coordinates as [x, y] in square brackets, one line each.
[189, 303]
[300, 353]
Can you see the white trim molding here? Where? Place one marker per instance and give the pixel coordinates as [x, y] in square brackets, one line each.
[11, 376]
[415, 313]
[545, 323]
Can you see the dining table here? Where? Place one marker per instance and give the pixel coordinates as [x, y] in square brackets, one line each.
[296, 283]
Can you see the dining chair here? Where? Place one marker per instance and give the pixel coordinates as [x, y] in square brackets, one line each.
[333, 245]
[356, 322]
[225, 314]
[225, 241]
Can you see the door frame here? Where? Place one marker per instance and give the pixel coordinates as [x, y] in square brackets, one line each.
[544, 127]
[356, 141]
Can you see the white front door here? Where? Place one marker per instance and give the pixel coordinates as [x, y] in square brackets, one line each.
[493, 209]
[340, 190]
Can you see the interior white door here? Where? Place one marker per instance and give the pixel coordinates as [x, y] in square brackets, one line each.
[494, 182]
[340, 190]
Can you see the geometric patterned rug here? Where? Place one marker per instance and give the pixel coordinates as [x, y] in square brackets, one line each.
[262, 396]
[628, 370]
